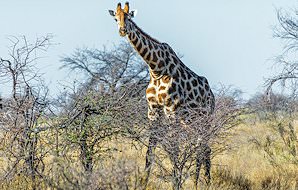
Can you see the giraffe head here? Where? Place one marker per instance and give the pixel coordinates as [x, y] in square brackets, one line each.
[121, 16]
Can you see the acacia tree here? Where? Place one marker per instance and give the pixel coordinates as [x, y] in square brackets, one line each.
[106, 104]
[24, 109]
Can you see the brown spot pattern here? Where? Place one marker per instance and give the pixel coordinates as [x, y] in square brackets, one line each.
[150, 90]
[143, 53]
[166, 79]
[152, 100]
[139, 47]
[161, 97]
[194, 83]
[162, 88]
[154, 57]
[186, 84]
[171, 68]
[188, 87]
[161, 64]
[148, 56]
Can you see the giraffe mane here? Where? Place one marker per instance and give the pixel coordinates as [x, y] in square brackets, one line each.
[144, 33]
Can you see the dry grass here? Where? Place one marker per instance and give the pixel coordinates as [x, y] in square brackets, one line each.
[250, 162]
[244, 166]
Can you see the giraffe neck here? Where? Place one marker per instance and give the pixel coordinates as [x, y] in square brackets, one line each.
[151, 50]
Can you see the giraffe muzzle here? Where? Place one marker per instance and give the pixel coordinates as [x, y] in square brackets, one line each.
[122, 32]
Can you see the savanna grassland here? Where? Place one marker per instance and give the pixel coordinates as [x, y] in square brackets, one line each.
[94, 134]
[247, 163]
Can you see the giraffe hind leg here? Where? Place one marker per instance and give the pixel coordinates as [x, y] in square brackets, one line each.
[198, 168]
[207, 163]
[203, 157]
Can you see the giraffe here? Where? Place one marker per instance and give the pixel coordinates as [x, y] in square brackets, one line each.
[172, 87]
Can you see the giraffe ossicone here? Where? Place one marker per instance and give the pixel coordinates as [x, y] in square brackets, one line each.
[173, 87]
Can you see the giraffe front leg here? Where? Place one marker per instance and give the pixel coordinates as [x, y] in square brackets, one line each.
[171, 115]
[153, 112]
[199, 162]
[153, 139]
[150, 151]
[150, 156]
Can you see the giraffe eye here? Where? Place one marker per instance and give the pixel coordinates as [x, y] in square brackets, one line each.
[116, 20]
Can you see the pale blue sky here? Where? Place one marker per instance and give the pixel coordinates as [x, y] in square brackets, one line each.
[228, 41]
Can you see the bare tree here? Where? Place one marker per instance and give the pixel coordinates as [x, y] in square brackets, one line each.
[182, 146]
[22, 113]
[278, 115]
[76, 129]
[106, 104]
[280, 109]
[108, 69]
[279, 104]
[86, 124]
[120, 74]
[287, 31]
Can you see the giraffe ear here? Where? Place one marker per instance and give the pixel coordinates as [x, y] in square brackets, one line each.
[133, 13]
[112, 13]
[118, 6]
[126, 7]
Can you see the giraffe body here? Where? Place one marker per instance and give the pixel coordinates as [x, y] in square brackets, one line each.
[173, 87]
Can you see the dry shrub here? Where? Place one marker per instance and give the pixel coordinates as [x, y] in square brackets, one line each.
[185, 143]
[279, 182]
[226, 179]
